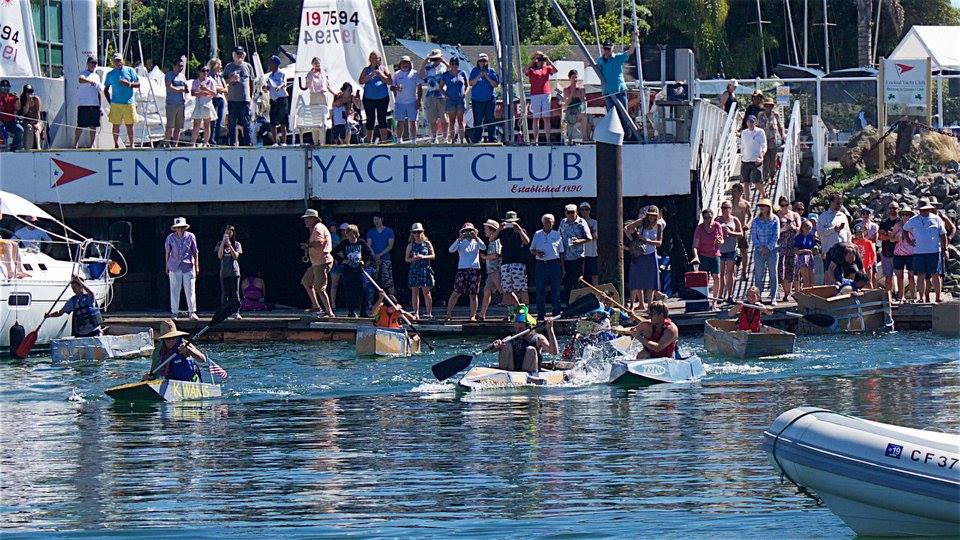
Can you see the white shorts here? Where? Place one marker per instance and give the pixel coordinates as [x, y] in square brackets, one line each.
[540, 105]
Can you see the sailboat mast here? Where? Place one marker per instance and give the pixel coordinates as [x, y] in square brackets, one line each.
[212, 22]
[423, 14]
[826, 38]
[763, 48]
[806, 26]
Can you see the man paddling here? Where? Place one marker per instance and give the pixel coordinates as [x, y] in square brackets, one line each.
[182, 354]
[526, 352]
[87, 319]
[749, 318]
[659, 335]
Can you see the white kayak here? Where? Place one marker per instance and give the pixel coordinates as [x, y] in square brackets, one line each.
[485, 378]
[656, 371]
[880, 479]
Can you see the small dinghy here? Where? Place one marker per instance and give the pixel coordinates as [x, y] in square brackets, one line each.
[656, 371]
[160, 390]
[485, 378]
[880, 479]
[722, 337]
[373, 341]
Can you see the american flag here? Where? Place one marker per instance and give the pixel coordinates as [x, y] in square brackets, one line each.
[215, 369]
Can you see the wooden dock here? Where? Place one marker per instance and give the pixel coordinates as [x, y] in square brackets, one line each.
[296, 325]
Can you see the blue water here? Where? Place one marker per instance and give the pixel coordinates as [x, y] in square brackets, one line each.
[311, 441]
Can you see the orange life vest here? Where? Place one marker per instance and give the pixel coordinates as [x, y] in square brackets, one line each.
[385, 319]
[749, 319]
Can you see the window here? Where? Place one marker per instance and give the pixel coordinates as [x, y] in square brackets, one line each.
[48, 27]
[18, 300]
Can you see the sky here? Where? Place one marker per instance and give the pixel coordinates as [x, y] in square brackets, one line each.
[956, 3]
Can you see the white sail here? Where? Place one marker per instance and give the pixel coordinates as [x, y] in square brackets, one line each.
[18, 44]
[341, 33]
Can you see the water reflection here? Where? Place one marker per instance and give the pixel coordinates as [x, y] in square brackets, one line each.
[679, 460]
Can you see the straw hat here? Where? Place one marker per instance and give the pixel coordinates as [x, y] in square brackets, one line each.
[765, 202]
[168, 330]
[933, 200]
[492, 223]
[905, 209]
[651, 211]
[435, 53]
[769, 101]
[468, 227]
[511, 217]
[925, 205]
[180, 222]
[417, 227]
[311, 213]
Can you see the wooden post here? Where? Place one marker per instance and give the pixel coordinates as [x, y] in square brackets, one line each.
[610, 214]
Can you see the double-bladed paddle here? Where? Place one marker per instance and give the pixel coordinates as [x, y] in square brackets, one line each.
[407, 322]
[221, 315]
[455, 364]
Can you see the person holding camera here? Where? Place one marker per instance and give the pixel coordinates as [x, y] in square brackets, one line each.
[483, 97]
[467, 281]
[539, 71]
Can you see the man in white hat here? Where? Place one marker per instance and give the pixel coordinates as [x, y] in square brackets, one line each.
[183, 267]
[576, 233]
[406, 86]
[431, 72]
[483, 98]
[30, 236]
[929, 239]
[319, 247]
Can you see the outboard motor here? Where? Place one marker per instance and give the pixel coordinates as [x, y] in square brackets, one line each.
[17, 333]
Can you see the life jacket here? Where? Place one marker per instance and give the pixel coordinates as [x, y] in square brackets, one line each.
[666, 352]
[87, 315]
[385, 319]
[180, 367]
[749, 319]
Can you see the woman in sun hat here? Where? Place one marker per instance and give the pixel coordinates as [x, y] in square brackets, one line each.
[646, 235]
[468, 247]
[182, 266]
[419, 253]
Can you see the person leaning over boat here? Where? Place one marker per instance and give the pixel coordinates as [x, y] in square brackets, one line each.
[182, 355]
[87, 319]
[659, 335]
[526, 352]
[183, 267]
[749, 318]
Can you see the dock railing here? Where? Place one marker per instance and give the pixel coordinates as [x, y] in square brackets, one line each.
[721, 166]
[818, 145]
[790, 159]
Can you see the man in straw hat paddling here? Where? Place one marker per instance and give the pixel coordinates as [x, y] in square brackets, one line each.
[182, 366]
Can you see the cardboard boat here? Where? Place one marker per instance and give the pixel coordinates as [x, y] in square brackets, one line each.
[164, 390]
[373, 341]
[862, 313]
[485, 378]
[722, 337]
[102, 347]
[656, 371]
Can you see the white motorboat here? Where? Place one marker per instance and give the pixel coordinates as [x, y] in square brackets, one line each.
[25, 300]
[880, 479]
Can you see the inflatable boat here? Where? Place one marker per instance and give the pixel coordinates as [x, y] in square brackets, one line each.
[880, 479]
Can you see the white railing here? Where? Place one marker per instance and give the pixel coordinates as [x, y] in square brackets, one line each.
[790, 159]
[721, 166]
[818, 145]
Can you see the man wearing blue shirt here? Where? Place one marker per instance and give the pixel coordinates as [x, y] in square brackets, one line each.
[483, 80]
[380, 240]
[118, 88]
[611, 67]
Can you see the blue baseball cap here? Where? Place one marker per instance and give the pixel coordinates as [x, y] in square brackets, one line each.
[275, 59]
[751, 118]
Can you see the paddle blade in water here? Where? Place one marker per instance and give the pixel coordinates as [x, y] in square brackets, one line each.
[23, 350]
[583, 305]
[451, 366]
[819, 319]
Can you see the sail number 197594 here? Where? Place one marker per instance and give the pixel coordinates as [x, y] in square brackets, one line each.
[331, 18]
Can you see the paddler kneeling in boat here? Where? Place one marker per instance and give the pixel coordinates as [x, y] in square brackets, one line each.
[526, 352]
[388, 316]
[87, 319]
[659, 335]
[594, 329]
[748, 318]
[182, 366]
